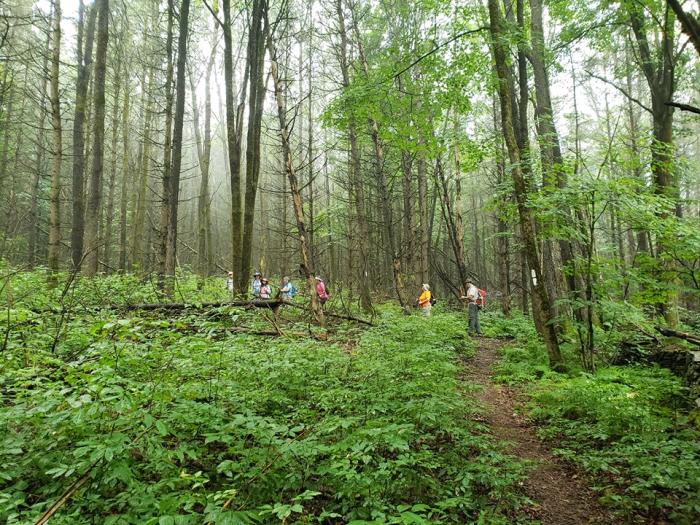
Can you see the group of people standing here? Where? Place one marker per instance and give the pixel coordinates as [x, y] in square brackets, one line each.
[474, 297]
[261, 289]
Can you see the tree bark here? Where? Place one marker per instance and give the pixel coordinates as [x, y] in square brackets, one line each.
[234, 133]
[256, 62]
[57, 148]
[84, 67]
[542, 308]
[124, 194]
[174, 193]
[107, 235]
[98, 131]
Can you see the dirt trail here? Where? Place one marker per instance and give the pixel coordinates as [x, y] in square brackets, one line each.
[560, 496]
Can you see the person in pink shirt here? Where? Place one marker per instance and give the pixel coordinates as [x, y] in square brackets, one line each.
[321, 290]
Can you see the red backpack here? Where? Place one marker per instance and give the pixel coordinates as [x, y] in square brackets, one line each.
[481, 299]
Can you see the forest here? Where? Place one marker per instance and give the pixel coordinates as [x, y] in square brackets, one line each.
[246, 246]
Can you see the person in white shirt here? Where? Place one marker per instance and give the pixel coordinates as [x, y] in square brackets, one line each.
[471, 298]
[229, 282]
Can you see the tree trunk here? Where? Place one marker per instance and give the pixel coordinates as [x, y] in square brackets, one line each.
[138, 252]
[39, 165]
[124, 195]
[304, 245]
[166, 196]
[422, 179]
[57, 148]
[234, 132]
[551, 156]
[107, 236]
[93, 209]
[204, 157]
[84, 67]
[174, 193]
[542, 307]
[659, 70]
[256, 62]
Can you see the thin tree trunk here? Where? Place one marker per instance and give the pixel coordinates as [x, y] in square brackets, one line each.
[138, 253]
[39, 166]
[204, 156]
[107, 236]
[304, 245]
[124, 195]
[167, 151]
[57, 148]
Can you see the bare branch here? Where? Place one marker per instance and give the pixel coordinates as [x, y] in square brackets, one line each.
[621, 90]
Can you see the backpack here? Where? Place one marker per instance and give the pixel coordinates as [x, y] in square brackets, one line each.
[433, 299]
[481, 298]
[292, 290]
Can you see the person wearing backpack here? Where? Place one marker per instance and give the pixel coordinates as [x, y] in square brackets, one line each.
[287, 291]
[472, 298]
[321, 290]
[425, 301]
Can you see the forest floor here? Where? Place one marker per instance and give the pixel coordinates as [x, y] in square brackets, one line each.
[560, 493]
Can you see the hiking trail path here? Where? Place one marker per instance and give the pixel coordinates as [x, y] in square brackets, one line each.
[560, 494]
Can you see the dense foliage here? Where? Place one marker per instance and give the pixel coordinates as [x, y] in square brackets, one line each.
[630, 427]
[176, 420]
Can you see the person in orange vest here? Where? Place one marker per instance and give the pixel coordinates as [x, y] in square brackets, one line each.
[424, 301]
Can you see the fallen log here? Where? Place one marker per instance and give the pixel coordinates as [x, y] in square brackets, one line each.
[335, 316]
[272, 304]
[669, 332]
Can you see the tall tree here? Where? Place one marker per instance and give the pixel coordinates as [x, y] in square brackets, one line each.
[167, 146]
[357, 189]
[542, 308]
[84, 61]
[304, 242]
[657, 59]
[98, 131]
[256, 95]
[57, 145]
[174, 193]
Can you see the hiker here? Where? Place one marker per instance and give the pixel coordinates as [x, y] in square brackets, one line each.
[321, 290]
[229, 282]
[288, 291]
[265, 289]
[472, 299]
[425, 300]
[256, 284]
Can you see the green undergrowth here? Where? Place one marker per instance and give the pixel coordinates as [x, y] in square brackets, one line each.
[627, 426]
[174, 420]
